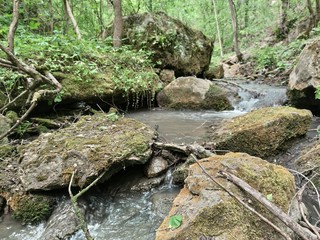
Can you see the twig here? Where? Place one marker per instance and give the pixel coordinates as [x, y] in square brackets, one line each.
[299, 197]
[309, 181]
[33, 105]
[275, 210]
[285, 235]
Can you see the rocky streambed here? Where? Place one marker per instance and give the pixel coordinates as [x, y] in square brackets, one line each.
[136, 193]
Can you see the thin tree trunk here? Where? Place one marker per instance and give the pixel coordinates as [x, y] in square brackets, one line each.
[13, 25]
[283, 24]
[217, 26]
[246, 14]
[235, 30]
[66, 18]
[73, 20]
[117, 23]
[51, 24]
[317, 11]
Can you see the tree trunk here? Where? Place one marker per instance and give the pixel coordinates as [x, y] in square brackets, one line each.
[51, 24]
[73, 20]
[13, 25]
[217, 26]
[66, 18]
[317, 11]
[117, 23]
[246, 14]
[283, 23]
[235, 30]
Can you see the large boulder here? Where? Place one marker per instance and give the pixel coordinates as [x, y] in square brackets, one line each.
[91, 146]
[193, 93]
[304, 79]
[262, 132]
[175, 45]
[208, 212]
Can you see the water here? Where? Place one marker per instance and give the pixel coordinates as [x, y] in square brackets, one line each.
[192, 126]
[128, 215]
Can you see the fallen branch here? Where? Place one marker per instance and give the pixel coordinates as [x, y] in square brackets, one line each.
[282, 233]
[276, 211]
[74, 201]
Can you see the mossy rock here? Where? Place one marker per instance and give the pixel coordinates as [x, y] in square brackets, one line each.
[193, 93]
[174, 45]
[31, 208]
[263, 132]
[91, 146]
[208, 211]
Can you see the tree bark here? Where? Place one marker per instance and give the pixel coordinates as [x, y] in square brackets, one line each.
[51, 24]
[13, 25]
[117, 23]
[283, 23]
[317, 11]
[217, 26]
[73, 20]
[235, 30]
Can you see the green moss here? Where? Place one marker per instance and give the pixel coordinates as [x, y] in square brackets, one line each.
[216, 99]
[6, 150]
[33, 208]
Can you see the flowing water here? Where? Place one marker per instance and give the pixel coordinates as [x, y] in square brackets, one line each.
[128, 215]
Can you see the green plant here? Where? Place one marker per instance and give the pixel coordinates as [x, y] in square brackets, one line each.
[175, 221]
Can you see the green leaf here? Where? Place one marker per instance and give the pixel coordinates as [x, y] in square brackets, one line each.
[269, 197]
[175, 221]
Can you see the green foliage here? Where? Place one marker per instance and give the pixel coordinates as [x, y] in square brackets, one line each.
[175, 221]
[317, 93]
[23, 128]
[33, 209]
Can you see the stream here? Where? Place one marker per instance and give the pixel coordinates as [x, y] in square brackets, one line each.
[121, 214]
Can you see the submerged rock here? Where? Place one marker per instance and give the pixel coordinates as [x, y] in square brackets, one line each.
[208, 211]
[62, 224]
[193, 93]
[91, 146]
[304, 79]
[174, 45]
[262, 132]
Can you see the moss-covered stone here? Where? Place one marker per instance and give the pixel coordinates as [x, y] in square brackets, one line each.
[32, 208]
[210, 212]
[92, 145]
[262, 132]
[193, 93]
[175, 46]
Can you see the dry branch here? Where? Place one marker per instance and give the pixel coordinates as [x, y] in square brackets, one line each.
[276, 211]
[282, 233]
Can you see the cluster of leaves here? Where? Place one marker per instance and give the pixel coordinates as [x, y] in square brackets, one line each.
[278, 57]
[131, 69]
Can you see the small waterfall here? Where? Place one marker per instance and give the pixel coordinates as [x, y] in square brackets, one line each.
[168, 181]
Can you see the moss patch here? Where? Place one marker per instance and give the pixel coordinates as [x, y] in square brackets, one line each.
[32, 208]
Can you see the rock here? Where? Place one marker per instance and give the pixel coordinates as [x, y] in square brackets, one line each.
[4, 127]
[92, 145]
[207, 211]
[166, 76]
[155, 167]
[262, 132]
[309, 163]
[146, 184]
[181, 172]
[214, 73]
[175, 46]
[62, 224]
[193, 93]
[304, 79]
